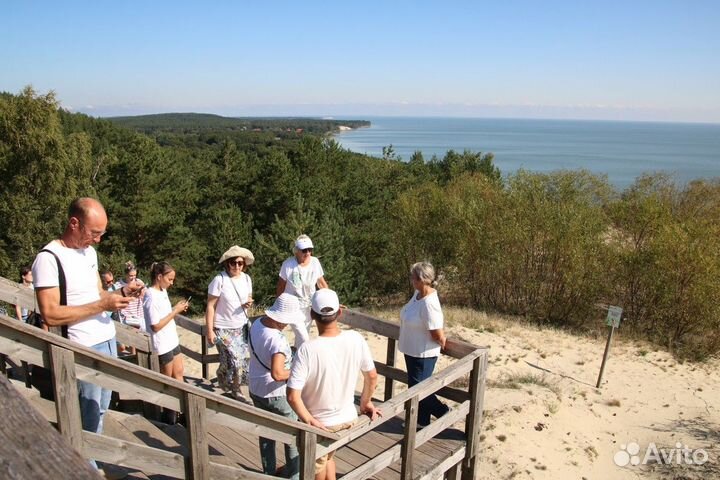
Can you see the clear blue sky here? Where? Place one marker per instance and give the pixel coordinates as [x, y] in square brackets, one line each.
[629, 60]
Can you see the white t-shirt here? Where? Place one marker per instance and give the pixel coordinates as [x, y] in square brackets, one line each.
[417, 318]
[81, 286]
[326, 370]
[156, 306]
[301, 281]
[229, 311]
[267, 342]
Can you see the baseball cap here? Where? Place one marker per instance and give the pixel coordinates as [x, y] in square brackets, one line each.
[325, 302]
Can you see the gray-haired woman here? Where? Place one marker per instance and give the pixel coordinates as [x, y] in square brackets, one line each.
[301, 275]
[422, 336]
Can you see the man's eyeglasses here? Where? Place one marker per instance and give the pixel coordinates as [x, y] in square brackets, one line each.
[306, 250]
[94, 233]
[237, 263]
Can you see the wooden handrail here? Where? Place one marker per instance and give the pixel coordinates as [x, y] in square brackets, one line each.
[69, 361]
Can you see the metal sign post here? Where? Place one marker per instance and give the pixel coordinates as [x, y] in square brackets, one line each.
[613, 321]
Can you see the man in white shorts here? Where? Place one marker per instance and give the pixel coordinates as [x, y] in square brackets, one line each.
[321, 387]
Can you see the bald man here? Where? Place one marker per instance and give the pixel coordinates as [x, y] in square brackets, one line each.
[87, 301]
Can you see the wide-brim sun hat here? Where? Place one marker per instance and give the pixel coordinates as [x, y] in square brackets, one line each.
[236, 251]
[286, 309]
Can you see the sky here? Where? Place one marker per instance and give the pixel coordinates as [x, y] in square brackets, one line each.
[612, 60]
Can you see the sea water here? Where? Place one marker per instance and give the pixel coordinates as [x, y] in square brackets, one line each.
[621, 150]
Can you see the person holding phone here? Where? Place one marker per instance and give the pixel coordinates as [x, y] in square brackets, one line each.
[160, 320]
[229, 297]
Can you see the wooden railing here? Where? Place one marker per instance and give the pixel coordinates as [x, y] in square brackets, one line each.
[69, 361]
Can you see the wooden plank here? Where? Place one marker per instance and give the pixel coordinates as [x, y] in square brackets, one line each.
[381, 461]
[67, 404]
[454, 347]
[447, 464]
[16, 294]
[189, 324]
[390, 362]
[198, 462]
[454, 394]
[306, 448]
[473, 425]
[408, 444]
[371, 324]
[246, 448]
[158, 462]
[132, 337]
[22, 425]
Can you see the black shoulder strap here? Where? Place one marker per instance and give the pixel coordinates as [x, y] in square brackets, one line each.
[63, 286]
[253, 350]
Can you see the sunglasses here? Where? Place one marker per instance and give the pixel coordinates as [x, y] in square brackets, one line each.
[237, 263]
[306, 250]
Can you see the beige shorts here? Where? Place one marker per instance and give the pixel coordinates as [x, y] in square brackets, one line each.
[321, 462]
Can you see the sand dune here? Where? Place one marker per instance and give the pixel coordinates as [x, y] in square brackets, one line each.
[544, 418]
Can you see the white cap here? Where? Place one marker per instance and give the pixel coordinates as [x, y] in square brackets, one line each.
[325, 302]
[303, 242]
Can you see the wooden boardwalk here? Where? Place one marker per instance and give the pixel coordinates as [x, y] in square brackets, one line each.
[220, 436]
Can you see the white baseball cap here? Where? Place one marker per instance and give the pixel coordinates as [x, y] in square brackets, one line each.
[303, 242]
[325, 302]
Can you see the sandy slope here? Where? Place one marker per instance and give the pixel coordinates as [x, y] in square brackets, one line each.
[545, 419]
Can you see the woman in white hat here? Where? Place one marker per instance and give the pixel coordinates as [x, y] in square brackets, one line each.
[229, 297]
[301, 275]
[270, 361]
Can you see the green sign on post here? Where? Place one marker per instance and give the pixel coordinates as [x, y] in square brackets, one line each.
[613, 317]
[612, 321]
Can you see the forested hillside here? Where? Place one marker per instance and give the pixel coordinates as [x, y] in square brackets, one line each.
[546, 246]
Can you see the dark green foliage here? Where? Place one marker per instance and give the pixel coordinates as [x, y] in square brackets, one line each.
[546, 246]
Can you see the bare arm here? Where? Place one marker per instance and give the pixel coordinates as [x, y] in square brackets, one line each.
[210, 317]
[280, 288]
[278, 372]
[439, 337]
[321, 283]
[54, 314]
[294, 398]
[370, 379]
[179, 307]
[18, 312]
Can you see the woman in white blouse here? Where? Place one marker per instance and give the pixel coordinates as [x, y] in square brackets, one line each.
[422, 336]
[229, 297]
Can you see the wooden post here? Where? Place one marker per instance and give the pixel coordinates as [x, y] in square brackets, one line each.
[197, 463]
[390, 361]
[204, 353]
[408, 443]
[473, 423]
[605, 356]
[307, 446]
[454, 472]
[67, 404]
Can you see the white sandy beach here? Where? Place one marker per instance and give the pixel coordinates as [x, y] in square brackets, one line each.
[544, 418]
